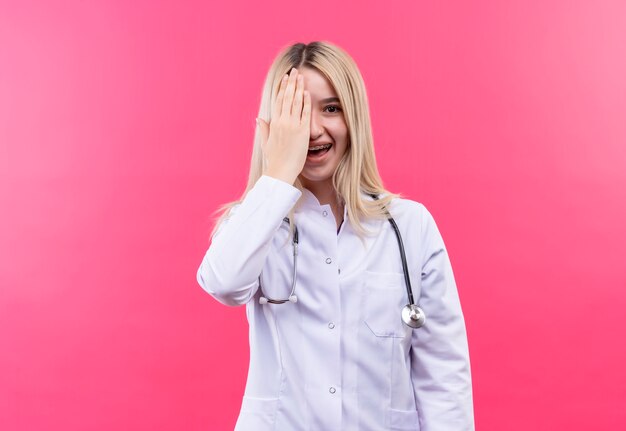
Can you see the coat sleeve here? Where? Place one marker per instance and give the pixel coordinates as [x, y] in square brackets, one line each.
[239, 248]
[440, 365]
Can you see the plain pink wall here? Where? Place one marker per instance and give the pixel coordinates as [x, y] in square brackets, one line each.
[123, 125]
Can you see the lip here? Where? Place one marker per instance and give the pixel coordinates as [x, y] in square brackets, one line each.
[322, 159]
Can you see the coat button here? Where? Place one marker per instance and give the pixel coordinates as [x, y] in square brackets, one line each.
[328, 260]
[324, 213]
[332, 390]
[331, 325]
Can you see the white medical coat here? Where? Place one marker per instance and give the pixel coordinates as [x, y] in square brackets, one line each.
[341, 358]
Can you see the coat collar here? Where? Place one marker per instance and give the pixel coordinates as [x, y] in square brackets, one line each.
[309, 201]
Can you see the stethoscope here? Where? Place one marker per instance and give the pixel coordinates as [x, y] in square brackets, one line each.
[412, 315]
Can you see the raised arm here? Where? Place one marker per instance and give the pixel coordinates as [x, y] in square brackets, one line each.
[235, 259]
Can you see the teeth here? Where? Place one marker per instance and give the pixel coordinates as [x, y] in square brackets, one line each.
[320, 147]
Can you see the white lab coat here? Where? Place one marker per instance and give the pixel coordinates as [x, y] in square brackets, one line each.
[341, 358]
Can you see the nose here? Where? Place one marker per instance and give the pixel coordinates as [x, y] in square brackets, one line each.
[316, 127]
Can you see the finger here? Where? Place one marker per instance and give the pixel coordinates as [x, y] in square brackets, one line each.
[296, 108]
[288, 97]
[278, 103]
[306, 110]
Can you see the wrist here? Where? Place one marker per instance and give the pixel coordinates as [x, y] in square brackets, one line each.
[282, 175]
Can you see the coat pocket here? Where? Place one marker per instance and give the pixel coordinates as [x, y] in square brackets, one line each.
[257, 414]
[404, 420]
[385, 295]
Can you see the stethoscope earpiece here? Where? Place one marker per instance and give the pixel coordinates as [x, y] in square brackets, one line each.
[263, 300]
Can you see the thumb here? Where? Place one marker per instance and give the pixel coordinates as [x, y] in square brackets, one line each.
[264, 130]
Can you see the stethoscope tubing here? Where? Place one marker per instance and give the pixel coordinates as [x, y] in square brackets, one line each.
[292, 297]
[405, 266]
[412, 315]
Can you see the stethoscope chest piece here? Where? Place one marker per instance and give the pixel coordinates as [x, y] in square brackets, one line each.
[413, 316]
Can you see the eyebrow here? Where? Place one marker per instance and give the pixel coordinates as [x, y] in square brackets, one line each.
[329, 100]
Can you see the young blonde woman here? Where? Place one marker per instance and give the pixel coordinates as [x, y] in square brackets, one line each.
[311, 252]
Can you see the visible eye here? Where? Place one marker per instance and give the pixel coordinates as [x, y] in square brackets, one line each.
[336, 107]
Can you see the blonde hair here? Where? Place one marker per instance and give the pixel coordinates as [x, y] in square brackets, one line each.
[357, 171]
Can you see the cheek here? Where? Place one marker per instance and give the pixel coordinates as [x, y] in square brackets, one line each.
[342, 148]
[338, 131]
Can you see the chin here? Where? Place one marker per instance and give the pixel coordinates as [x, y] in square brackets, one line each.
[310, 177]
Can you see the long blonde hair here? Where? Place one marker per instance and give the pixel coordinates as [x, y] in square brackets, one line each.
[357, 171]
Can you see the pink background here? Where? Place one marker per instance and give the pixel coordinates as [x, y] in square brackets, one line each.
[123, 125]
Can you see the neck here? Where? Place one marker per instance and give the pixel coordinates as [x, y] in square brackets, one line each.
[323, 191]
[327, 195]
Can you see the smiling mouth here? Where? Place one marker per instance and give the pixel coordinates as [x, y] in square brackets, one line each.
[318, 150]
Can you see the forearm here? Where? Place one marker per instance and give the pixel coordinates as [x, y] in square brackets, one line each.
[231, 266]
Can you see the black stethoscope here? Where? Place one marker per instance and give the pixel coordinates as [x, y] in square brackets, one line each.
[412, 315]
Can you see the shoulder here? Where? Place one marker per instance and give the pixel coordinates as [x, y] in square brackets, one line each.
[416, 221]
[405, 207]
[414, 218]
